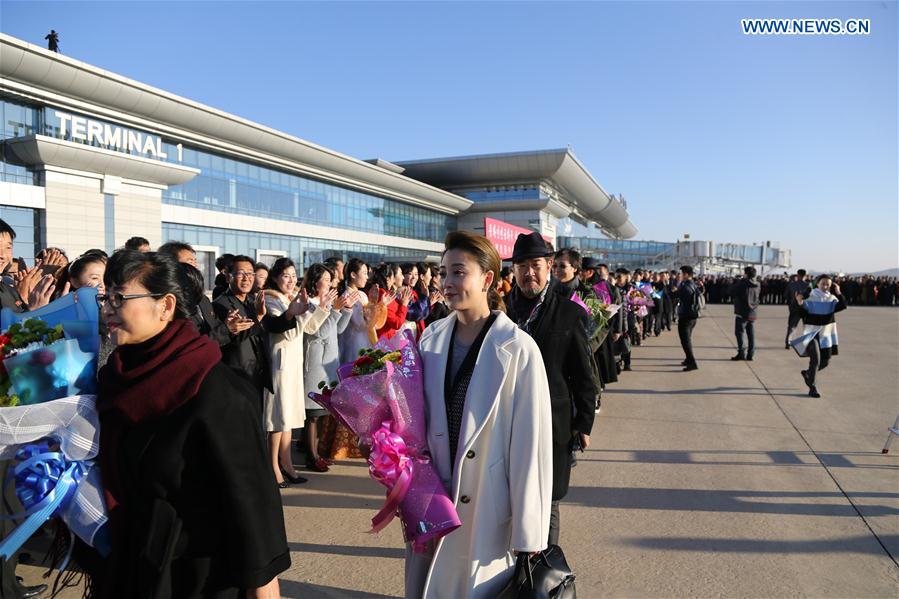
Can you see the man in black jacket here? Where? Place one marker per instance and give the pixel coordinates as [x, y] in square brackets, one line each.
[687, 314]
[248, 352]
[745, 294]
[555, 323]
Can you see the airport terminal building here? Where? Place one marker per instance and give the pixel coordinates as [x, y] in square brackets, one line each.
[90, 158]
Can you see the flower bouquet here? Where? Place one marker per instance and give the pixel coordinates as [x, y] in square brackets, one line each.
[51, 352]
[639, 302]
[380, 398]
[601, 310]
[49, 427]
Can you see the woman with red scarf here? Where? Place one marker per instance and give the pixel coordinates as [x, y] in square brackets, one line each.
[194, 510]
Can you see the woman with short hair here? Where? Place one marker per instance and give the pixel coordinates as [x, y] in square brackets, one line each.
[193, 510]
[322, 351]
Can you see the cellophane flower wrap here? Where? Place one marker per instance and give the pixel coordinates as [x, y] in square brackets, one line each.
[639, 302]
[51, 352]
[385, 408]
[600, 310]
[49, 428]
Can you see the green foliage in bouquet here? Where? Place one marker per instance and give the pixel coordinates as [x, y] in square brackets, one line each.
[19, 336]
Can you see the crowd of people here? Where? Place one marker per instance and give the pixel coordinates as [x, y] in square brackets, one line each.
[201, 394]
[866, 290]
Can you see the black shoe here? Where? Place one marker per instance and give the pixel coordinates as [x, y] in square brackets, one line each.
[691, 367]
[738, 357]
[804, 374]
[627, 368]
[813, 392]
[786, 346]
[283, 484]
[684, 363]
[32, 592]
[749, 357]
[297, 480]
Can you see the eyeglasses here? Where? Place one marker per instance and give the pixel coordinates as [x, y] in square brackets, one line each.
[117, 299]
[244, 274]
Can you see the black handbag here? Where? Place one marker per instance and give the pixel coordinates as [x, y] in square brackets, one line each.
[547, 575]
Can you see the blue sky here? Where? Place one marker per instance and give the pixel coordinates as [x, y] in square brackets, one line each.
[704, 130]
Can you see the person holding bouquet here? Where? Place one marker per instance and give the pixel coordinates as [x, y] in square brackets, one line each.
[193, 507]
[489, 432]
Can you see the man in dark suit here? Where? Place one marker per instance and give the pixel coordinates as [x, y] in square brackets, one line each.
[248, 325]
[556, 324]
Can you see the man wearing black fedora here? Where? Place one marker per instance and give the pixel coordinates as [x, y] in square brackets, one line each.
[556, 324]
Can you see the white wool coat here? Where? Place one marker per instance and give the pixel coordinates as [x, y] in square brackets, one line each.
[502, 480]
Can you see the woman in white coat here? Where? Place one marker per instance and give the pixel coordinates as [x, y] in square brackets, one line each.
[284, 408]
[489, 433]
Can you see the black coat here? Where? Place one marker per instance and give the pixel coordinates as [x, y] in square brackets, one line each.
[248, 352]
[745, 294]
[10, 298]
[560, 335]
[207, 323]
[198, 481]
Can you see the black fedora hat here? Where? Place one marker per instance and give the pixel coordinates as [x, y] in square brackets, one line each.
[529, 246]
[589, 263]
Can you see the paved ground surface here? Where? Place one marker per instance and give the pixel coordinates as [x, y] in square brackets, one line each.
[725, 482]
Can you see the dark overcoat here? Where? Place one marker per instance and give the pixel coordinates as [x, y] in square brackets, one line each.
[560, 335]
[202, 514]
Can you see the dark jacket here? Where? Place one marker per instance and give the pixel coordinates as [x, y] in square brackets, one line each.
[745, 295]
[10, 298]
[686, 291]
[248, 352]
[793, 287]
[198, 481]
[560, 335]
[207, 323]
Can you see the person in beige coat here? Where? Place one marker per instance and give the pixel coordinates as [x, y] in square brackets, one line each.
[284, 407]
[488, 420]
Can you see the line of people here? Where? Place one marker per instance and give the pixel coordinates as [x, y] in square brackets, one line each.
[200, 398]
[864, 290]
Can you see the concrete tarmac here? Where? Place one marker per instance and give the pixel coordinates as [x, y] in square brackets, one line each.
[724, 482]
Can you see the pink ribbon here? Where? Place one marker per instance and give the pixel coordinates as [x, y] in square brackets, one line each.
[390, 463]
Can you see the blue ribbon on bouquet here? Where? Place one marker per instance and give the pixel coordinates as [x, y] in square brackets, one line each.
[45, 483]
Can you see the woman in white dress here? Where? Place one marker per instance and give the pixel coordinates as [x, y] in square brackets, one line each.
[489, 432]
[320, 347]
[284, 408]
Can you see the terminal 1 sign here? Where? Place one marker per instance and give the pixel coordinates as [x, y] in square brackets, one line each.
[503, 235]
[113, 137]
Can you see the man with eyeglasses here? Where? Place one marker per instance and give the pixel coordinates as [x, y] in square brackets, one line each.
[248, 325]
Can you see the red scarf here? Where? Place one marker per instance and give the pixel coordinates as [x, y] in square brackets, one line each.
[146, 381]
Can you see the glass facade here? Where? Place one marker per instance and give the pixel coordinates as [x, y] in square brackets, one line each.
[228, 185]
[303, 250]
[231, 185]
[26, 222]
[18, 120]
[522, 192]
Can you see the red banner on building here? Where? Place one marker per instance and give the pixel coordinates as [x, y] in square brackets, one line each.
[503, 236]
